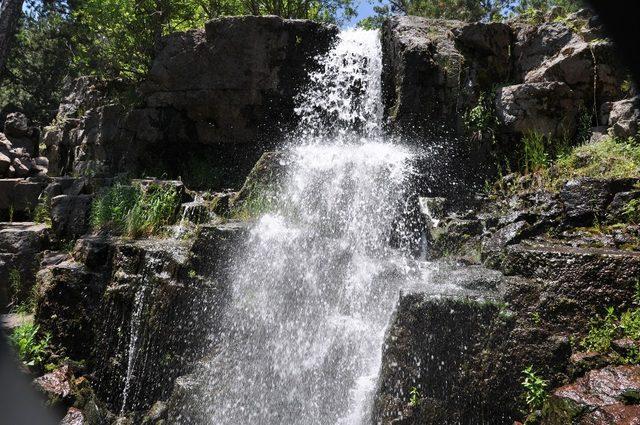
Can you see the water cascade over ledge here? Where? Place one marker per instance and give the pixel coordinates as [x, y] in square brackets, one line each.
[311, 296]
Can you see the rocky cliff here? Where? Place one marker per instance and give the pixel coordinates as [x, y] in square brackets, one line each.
[214, 100]
[535, 257]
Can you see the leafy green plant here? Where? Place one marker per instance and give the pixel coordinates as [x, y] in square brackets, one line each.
[632, 211]
[601, 332]
[604, 330]
[414, 397]
[31, 348]
[535, 317]
[535, 389]
[535, 156]
[481, 120]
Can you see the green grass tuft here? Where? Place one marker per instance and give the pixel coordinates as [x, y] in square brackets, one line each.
[133, 211]
[535, 156]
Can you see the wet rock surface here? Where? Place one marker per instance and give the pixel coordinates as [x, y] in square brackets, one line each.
[116, 299]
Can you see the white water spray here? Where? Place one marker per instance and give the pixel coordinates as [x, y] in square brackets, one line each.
[314, 291]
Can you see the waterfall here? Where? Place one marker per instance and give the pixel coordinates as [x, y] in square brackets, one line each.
[314, 291]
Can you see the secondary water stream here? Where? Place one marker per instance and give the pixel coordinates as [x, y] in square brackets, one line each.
[314, 291]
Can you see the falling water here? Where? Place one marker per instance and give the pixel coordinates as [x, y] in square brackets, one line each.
[313, 293]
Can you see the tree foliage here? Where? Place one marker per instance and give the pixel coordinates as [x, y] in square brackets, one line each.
[464, 10]
[38, 63]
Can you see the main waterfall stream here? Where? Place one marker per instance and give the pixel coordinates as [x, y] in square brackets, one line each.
[315, 289]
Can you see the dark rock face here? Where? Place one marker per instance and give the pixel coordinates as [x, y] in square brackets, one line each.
[421, 66]
[577, 282]
[237, 76]
[465, 353]
[70, 215]
[67, 301]
[429, 346]
[587, 199]
[139, 312]
[21, 245]
[215, 99]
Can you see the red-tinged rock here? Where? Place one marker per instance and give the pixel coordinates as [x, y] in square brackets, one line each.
[73, 417]
[57, 384]
[604, 396]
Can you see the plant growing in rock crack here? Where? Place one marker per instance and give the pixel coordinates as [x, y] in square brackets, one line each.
[414, 397]
[15, 286]
[535, 156]
[631, 211]
[42, 212]
[30, 346]
[134, 211]
[585, 118]
[481, 120]
[535, 318]
[535, 389]
[604, 330]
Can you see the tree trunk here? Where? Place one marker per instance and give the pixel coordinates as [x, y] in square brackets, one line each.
[10, 11]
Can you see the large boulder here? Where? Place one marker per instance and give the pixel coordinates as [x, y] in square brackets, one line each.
[577, 64]
[624, 118]
[20, 133]
[70, 215]
[535, 44]
[549, 108]
[19, 198]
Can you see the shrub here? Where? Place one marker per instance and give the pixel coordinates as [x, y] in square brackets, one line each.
[535, 389]
[30, 348]
[134, 211]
